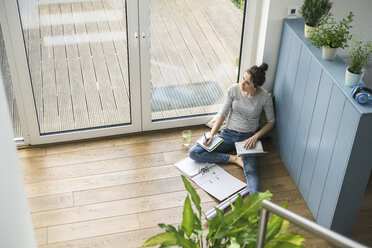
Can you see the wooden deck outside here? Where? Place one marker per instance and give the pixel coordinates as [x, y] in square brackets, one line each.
[77, 53]
[112, 192]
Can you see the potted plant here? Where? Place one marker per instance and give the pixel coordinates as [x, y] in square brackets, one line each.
[332, 35]
[235, 229]
[360, 54]
[313, 11]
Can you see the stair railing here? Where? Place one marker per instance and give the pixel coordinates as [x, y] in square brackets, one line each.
[328, 235]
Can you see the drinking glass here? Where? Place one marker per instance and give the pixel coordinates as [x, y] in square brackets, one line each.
[186, 135]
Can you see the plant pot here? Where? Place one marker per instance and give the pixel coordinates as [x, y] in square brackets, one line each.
[329, 53]
[308, 30]
[352, 79]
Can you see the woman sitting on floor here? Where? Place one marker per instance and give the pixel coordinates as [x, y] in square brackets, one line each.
[245, 102]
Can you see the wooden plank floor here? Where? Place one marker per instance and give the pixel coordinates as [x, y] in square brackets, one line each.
[112, 192]
[77, 53]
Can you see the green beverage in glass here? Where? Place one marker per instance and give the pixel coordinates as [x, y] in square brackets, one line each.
[186, 135]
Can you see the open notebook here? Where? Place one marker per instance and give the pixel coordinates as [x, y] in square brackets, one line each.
[215, 142]
[211, 178]
[242, 152]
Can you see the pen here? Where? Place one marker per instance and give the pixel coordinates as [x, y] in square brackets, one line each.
[205, 137]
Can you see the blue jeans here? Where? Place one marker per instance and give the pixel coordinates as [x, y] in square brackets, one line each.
[219, 155]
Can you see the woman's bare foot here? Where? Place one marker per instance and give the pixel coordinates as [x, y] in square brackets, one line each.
[236, 160]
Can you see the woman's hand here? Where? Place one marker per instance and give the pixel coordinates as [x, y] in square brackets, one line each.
[209, 139]
[251, 142]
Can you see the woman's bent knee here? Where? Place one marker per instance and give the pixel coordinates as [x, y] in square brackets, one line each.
[195, 153]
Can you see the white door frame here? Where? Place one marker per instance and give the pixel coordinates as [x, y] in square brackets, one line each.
[13, 39]
[18, 64]
[254, 35]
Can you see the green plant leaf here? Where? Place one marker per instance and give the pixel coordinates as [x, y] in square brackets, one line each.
[219, 214]
[215, 224]
[163, 239]
[238, 4]
[169, 239]
[230, 232]
[238, 202]
[197, 222]
[238, 221]
[247, 238]
[359, 52]
[180, 229]
[167, 228]
[284, 227]
[247, 223]
[276, 225]
[194, 195]
[282, 245]
[273, 227]
[291, 238]
[188, 217]
[233, 243]
[250, 207]
[314, 10]
[330, 33]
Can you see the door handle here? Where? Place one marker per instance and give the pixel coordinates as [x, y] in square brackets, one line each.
[136, 40]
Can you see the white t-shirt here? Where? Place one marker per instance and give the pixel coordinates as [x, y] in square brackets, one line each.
[245, 112]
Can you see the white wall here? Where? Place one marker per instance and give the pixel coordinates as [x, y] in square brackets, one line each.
[278, 10]
[16, 229]
[362, 23]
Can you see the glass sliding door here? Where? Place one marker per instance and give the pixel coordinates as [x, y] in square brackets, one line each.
[76, 67]
[90, 68]
[9, 90]
[194, 54]
[77, 52]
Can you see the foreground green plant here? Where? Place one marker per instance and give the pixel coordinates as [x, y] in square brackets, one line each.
[360, 53]
[235, 229]
[332, 34]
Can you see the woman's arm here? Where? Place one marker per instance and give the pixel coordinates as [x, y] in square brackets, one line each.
[221, 115]
[216, 126]
[268, 126]
[270, 116]
[251, 142]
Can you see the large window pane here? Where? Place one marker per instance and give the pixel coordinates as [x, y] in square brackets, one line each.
[77, 54]
[195, 47]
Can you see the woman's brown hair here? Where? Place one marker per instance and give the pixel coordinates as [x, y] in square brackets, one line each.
[258, 74]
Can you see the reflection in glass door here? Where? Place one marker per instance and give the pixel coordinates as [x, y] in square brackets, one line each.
[9, 90]
[195, 47]
[77, 53]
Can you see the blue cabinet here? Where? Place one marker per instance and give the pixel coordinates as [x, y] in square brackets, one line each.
[323, 135]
